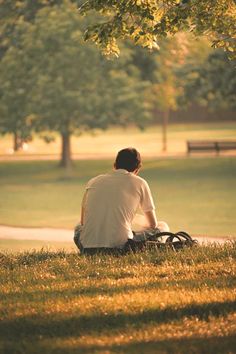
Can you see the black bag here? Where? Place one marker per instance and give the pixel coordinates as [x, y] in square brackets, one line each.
[175, 241]
[157, 239]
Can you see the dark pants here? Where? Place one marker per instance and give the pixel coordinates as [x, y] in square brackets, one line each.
[137, 243]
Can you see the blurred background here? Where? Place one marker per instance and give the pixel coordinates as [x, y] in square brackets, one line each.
[65, 111]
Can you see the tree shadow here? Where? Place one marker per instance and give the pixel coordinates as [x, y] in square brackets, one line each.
[61, 326]
[106, 289]
[193, 345]
[181, 346]
[187, 345]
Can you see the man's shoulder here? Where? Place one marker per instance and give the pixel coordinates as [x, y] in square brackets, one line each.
[95, 180]
[138, 178]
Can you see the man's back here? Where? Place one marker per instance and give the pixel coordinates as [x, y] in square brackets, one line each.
[110, 206]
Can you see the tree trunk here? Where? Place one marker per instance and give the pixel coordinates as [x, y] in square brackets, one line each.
[16, 142]
[164, 130]
[66, 161]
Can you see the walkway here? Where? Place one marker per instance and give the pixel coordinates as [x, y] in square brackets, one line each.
[63, 235]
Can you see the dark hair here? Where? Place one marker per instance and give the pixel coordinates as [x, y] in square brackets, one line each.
[128, 159]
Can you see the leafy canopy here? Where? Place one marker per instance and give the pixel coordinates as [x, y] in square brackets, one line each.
[146, 21]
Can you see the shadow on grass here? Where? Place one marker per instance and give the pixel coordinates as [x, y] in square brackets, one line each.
[186, 345]
[91, 291]
[212, 345]
[61, 326]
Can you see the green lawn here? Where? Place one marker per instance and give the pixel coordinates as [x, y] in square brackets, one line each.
[154, 302]
[194, 194]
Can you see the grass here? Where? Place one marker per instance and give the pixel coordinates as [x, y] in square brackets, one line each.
[149, 142]
[166, 302]
[154, 302]
[194, 194]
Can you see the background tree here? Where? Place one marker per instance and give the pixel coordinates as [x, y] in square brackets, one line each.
[211, 84]
[165, 89]
[15, 83]
[14, 12]
[164, 69]
[73, 88]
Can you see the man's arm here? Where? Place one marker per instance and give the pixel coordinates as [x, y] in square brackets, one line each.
[148, 206]
[83, 207]
[151, 219]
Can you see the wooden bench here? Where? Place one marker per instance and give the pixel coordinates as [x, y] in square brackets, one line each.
[210, 145]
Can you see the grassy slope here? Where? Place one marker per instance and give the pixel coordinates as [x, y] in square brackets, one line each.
[161, 302]
[196, 194]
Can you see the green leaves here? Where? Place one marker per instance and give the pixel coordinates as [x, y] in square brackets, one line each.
[213, 83]
[148, 19]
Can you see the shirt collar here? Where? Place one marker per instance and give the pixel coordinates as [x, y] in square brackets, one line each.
[121, 171]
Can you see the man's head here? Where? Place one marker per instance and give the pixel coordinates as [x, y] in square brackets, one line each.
[128, 159]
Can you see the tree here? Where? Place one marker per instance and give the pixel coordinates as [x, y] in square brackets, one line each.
[163, 68]
[212, 83]
[14, 12]
[146, 21]
[15, 83]
[73, 88]
[166, 89]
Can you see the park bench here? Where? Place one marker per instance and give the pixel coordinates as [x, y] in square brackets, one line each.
[210, 145]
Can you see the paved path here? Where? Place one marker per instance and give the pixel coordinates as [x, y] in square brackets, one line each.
[63, 235]
[42, 234]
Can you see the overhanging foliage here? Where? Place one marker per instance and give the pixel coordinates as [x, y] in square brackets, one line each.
[146, 21]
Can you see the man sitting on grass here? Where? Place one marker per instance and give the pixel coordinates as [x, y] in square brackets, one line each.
[109, 206]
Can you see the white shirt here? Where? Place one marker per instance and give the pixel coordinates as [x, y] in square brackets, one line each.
[110, 206]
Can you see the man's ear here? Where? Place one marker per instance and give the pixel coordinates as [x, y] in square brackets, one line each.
[114, 165]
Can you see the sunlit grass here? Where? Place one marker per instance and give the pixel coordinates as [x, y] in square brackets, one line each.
[149, 142]
[155, 302]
